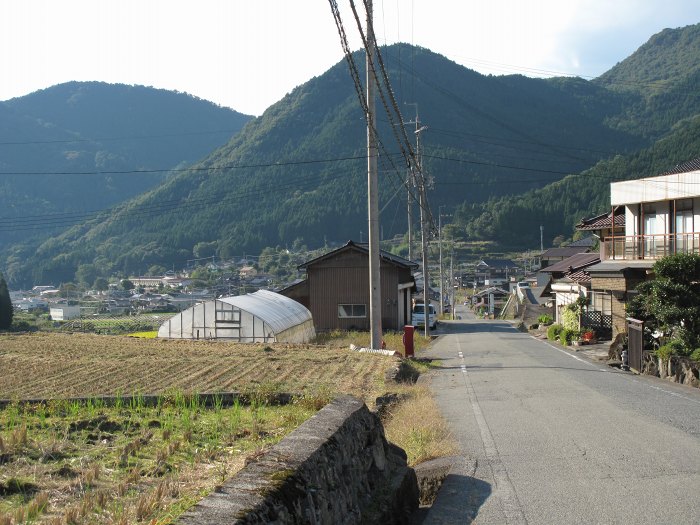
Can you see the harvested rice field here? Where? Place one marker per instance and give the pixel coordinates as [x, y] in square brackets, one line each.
[67, 462]
[50, 365]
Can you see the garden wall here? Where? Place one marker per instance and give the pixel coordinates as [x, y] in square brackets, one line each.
[677, 369]
[337, 467]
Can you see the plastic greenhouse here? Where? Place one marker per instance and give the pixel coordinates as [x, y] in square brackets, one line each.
[260, 317]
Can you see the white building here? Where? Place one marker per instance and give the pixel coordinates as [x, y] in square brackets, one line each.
[64, 312]
[261, 317]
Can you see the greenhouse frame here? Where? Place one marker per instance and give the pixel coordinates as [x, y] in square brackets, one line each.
[260, 317]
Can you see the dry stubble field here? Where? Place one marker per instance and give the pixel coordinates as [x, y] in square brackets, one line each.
[64, 463]
[49, 365]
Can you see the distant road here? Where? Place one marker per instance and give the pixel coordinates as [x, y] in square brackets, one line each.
[553, 438]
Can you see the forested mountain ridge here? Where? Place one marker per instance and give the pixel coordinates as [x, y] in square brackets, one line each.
[661, 79]
[298, 171]
[83, 146]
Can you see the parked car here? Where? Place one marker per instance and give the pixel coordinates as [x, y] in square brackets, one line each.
[523, 284]
[418, 316]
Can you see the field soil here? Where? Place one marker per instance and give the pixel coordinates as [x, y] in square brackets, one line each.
[51, 365]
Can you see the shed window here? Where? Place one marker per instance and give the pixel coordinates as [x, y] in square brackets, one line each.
[352, 310]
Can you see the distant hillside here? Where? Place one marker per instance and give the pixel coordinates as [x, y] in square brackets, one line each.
[298, 172]
[82, 129]
[660, 80]
[515, 222]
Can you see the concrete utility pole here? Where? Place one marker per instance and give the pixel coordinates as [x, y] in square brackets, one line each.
[423, 202]
[409, 185]
[375, 298]
[442, 279]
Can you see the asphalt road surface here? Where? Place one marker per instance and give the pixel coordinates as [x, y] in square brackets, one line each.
[550, 437]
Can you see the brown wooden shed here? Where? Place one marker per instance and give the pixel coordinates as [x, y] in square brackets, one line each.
[336, 289]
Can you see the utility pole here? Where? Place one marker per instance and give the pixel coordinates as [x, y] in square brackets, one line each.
[409, 185]
[442, 280]
[423, 202]
[452, 283]
[375, 299]
[541, 238]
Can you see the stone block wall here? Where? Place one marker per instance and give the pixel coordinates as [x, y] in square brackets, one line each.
[336, 468]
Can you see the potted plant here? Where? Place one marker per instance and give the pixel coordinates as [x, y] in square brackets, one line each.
[588, 337]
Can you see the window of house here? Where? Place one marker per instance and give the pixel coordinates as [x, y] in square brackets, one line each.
[346, 311]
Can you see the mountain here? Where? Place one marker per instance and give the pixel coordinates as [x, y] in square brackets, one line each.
[661, 102]
[298, 171]
[81, 146]
[660, 80]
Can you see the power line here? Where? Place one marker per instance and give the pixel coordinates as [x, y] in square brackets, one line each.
[116, 139]
[190, 169]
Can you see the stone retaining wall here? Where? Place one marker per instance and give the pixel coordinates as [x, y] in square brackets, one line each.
[336, 468]
[677, 369]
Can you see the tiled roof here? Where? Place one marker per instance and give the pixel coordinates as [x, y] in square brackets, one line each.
[564, 251]
[574, 263]
[581, 276]
[691, 165]
[586, 242]
[499, 263]
[387, 256]
[603, 221]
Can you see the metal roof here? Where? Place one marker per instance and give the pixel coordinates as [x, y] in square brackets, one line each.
[278, 311]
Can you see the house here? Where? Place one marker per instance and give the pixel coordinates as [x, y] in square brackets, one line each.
[492, 299]
[491, 272]
[661, 216]
[247, 272]
[555, 255]
[62, 312]
[570, 280]
[336, 289]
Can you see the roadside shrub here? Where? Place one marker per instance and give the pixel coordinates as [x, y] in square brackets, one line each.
[565, 336]
[695, 356]
[553, 332]
[672, 347]
[545, 319]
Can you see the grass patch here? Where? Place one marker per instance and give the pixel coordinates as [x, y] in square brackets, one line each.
[85, 463]
[392, 340]
[425, 437]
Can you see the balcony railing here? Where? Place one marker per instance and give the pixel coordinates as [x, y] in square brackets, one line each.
[636, 247]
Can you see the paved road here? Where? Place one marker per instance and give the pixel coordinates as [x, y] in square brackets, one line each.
[550, 437]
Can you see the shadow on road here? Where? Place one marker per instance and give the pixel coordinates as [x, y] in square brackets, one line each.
[459, 500]
[466, 327]
[476, 368]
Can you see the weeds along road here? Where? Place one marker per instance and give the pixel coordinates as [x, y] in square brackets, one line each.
[550, 437]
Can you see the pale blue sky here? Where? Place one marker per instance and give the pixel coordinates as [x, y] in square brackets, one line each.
[247, 54]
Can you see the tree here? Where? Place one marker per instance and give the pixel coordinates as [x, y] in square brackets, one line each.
[101, 284]
[6, 312]
[127, 284]
[670, 302]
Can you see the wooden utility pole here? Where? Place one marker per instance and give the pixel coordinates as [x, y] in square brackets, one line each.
[375, 298]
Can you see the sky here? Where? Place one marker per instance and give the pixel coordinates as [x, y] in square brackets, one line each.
[247, 54]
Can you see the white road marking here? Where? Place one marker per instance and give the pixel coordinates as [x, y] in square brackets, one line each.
[660, 389]
[504, 489]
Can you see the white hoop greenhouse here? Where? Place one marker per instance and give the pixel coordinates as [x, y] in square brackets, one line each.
[260, 317]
